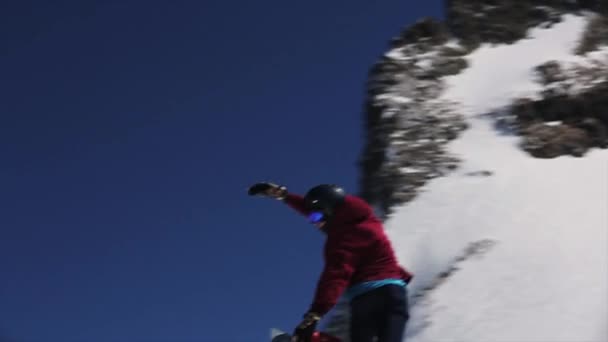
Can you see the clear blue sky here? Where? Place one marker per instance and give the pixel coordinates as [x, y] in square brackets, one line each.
[129, 132]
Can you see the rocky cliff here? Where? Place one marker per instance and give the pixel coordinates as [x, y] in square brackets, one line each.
[408, 125]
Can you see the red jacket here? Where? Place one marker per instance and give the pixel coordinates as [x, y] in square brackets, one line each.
[356, 250]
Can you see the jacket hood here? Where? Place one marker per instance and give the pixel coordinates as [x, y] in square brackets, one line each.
[353, 210]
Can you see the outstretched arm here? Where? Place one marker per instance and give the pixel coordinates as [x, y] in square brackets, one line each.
[279, 192]
[296, 202]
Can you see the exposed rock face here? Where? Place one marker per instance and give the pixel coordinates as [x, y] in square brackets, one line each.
[407, 127]
[496, 21]
[550, 141]
[426, 29]
[574, 102]
[596, 34]
[407, 124]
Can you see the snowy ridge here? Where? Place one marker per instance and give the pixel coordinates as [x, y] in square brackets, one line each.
[499, 74]
[546, 278]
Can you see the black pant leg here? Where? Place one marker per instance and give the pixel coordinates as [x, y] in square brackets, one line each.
[365, 316]
[395, 316]
[381, 313]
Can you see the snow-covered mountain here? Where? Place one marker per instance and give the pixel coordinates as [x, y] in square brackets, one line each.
[487, 155]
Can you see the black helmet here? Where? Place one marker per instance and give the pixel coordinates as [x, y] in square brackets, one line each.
[325, 198]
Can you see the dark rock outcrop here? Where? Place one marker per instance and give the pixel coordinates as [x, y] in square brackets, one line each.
[550, 141]
[595, 35]
[407, 126]
[550, 72]
[580, 116]
[495, 21]
[425, 30]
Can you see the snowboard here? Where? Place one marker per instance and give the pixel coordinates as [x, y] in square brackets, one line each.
[279, 336]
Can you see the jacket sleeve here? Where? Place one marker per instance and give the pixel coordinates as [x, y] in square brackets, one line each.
[339, 267]
[296, 202]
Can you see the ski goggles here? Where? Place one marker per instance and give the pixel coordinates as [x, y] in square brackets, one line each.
[316, 217]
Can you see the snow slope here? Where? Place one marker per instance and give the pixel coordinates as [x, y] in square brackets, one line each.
[546, 276]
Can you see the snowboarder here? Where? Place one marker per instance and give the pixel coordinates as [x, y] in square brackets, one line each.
[359, 263]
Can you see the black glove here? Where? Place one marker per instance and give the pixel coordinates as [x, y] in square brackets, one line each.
[268, 190]
[306, 328]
